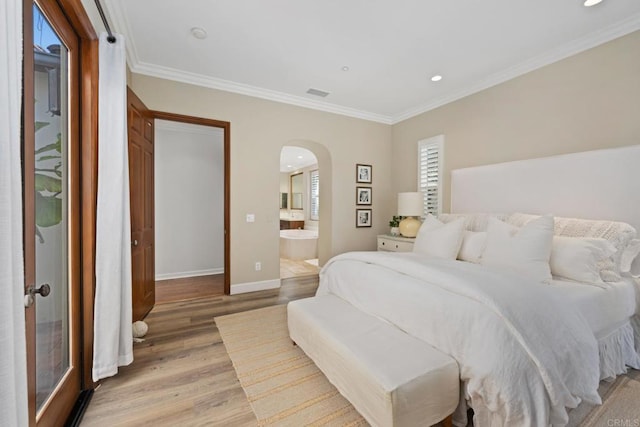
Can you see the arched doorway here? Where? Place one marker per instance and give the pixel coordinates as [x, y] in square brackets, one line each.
[299, 212]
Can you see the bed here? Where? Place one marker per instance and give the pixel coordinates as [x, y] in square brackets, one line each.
[517, 365]
[528, 347]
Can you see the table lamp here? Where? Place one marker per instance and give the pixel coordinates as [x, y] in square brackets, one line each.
[410, 205]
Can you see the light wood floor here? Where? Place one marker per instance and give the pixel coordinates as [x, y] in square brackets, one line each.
[294, 268]
[182, 374]
[189, 288]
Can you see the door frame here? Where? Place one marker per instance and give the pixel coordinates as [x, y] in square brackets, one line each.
[85, 122]
[226, 127]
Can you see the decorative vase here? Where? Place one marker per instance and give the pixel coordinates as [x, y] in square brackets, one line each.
[395, 231]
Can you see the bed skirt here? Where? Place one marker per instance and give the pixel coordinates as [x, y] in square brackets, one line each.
[635, 324]
[619, 349]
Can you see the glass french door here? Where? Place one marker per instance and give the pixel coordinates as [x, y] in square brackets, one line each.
[51, 211]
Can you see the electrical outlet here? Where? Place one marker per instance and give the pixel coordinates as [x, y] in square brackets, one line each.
[258, 266]
[251, 218]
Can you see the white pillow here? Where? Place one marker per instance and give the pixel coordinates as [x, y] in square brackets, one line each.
[525, 250]
[579, 259]
[630, 253]
[439, 240]
[473, 244]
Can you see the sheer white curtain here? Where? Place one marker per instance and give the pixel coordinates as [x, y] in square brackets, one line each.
[113, 341]
[13, 364]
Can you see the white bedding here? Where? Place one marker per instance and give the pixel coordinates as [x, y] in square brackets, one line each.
[605, 308]
[523, 355]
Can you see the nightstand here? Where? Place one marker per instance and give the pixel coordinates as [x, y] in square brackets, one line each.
[395, 243]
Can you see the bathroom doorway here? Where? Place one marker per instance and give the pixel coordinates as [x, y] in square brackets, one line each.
[299, 200]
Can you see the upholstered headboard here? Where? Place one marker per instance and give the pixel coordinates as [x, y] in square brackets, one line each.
[601, 184]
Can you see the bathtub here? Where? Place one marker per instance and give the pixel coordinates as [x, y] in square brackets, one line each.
[298, 244]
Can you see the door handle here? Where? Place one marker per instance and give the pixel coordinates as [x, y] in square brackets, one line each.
[134, 243]
[29, 298]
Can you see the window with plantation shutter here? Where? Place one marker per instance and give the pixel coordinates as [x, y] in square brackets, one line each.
[430, 161]
[315, 196]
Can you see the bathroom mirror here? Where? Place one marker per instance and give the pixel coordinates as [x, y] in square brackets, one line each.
[283, 200]
[297, 188]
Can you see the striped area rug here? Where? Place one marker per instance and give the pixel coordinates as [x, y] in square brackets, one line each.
[283, 386]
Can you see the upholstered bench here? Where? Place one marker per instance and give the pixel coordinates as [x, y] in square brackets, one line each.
[390, 377]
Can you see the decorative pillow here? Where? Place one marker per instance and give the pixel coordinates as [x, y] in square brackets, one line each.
[630, 253]
[439, 240]
[617, 233]
[579, 258]
[473, 244]
[472, 221]
[525, 250]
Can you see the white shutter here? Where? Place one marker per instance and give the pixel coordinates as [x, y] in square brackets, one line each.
[430, 161]
[315, 196]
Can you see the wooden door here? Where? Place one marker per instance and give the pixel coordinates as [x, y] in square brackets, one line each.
[51, 212]
[141, 132]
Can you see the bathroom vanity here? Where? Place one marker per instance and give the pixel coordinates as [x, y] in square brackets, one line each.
[291, 224]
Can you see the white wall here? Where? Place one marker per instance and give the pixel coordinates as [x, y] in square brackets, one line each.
[189, 200]
[306, 174]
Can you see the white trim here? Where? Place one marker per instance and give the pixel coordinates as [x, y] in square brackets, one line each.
[254, 91]
[438, 141]
[195, 273]
[242, 288]
[120, 23]
[574, 47]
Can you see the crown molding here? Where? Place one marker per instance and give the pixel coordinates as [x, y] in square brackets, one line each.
[607, 34]
[253, 91]
[115, 12]
[121, 24]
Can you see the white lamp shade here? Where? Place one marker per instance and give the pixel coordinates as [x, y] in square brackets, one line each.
[410, 204]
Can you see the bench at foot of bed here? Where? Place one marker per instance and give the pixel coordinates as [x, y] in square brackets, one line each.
[391, 378]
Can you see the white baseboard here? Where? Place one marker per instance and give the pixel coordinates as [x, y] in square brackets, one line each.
[182, 274]
[242, 288]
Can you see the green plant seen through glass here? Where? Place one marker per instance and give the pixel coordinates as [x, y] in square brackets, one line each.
[48, 184]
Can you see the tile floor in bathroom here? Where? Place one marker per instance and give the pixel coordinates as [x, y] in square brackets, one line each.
[294, 268]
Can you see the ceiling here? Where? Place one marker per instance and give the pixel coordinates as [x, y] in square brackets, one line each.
[278, 49]
[293, 159]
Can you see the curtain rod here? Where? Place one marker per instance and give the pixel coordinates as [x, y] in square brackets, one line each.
[110, 38]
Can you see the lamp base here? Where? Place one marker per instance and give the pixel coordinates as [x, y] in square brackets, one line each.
[409, 226]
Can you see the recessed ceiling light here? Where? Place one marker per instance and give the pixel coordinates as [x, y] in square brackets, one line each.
[199, 33]
[591, 2]
[345, 68]
[289, 166]
[299, 157]
[436, 78]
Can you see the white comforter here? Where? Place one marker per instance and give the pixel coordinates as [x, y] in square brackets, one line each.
[523, 356]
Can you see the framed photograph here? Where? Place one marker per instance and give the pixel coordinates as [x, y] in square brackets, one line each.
[363, 196]
[363, 218]
[363, 174]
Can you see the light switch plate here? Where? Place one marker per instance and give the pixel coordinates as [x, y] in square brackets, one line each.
[251, 218]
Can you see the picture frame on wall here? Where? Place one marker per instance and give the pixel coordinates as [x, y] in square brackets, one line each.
[364, 196]
[363, 174]
[363, 217]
